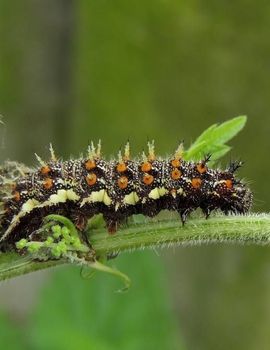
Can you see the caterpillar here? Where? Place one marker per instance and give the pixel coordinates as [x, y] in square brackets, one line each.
[81, 188]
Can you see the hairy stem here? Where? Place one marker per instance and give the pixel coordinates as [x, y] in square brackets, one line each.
[249, 229]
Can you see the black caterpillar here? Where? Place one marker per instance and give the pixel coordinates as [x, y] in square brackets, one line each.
[79, 189]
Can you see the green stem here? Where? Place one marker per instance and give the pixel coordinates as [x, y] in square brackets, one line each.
[12, 265]
[250, 229]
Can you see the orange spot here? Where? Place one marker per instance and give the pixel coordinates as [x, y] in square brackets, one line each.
[121, 167]
[202, 168]
[45, 170]
[91, 179]
[17, 196]
[146, 166]
[90, 164]
[196, 182]
[48, 183]
[229, 183]
[176, 163]
[176, 174]
[122, 182]
[148, 179]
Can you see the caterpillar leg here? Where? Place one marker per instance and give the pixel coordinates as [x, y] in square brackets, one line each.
[206, 212]
[184, 215]
[111, 224]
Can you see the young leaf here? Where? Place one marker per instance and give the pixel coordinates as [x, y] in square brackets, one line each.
[216, 135]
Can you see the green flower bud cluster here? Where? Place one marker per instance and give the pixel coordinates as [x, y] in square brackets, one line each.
[56, 245]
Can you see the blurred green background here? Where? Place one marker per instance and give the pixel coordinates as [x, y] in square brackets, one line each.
[72, 71]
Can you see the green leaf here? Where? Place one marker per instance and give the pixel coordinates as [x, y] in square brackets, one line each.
[219, 152]
[227, 130]
[215, 136]
[195, 151]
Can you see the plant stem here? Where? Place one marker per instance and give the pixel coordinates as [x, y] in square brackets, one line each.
[249, 229]
[12, 265]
